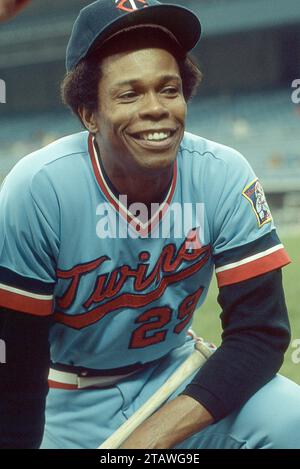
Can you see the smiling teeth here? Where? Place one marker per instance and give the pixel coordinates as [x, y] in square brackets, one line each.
[157, 136]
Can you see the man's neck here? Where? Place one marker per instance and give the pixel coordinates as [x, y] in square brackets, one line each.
[146, 189]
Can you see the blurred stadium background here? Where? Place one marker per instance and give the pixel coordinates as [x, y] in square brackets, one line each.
[249, 54]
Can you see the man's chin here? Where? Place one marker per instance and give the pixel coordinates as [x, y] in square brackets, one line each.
[157, 162]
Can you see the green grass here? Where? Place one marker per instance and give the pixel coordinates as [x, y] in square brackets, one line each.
[207, 322]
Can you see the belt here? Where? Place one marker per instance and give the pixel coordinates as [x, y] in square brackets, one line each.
[71, 377]
[64, 380]
[63, 376]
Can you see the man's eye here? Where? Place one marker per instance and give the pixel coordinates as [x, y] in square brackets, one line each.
[128, 95]
[171, 91]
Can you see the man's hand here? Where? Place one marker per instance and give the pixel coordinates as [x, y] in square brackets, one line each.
[10, 8]
[173, 423]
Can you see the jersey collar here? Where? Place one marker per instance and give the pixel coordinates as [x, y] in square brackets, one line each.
[108, 190]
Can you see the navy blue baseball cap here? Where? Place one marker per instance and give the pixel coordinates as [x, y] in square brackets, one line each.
[100, 20]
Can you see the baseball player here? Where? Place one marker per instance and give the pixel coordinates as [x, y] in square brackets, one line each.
[108, 241]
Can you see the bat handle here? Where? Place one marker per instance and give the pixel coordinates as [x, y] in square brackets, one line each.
[186, 369]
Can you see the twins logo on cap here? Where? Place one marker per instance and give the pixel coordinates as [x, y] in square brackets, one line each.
[131, 5]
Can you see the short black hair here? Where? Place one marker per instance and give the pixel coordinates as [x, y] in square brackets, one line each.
[79, 88]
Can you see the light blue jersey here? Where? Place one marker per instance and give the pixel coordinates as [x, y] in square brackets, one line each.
[123, 290]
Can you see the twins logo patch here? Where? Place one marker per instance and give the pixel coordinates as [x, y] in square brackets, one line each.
[131, 5]
[256, 196]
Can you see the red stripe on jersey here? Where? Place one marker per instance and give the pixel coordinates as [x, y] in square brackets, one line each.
[253, 268]
[56, 385]
[25, 304]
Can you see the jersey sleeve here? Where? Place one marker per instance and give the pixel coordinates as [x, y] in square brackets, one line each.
[29, 242]
[245, 243]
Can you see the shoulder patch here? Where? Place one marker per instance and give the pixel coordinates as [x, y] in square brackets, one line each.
[254, 193]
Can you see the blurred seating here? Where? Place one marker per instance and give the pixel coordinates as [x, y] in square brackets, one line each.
[21, 135]
[264, 127]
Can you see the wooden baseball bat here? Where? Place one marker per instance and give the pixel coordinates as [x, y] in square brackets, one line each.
[186, 369]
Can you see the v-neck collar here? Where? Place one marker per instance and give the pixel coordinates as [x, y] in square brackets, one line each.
[111, 195]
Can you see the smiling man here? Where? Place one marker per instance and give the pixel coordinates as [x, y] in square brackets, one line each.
[141, 114]
[110, 315]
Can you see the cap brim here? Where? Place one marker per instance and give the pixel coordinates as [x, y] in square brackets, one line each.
[180, 21]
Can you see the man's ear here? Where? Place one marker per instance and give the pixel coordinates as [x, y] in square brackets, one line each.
[88, 119]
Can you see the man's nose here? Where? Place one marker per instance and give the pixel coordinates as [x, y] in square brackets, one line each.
[153, 107]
